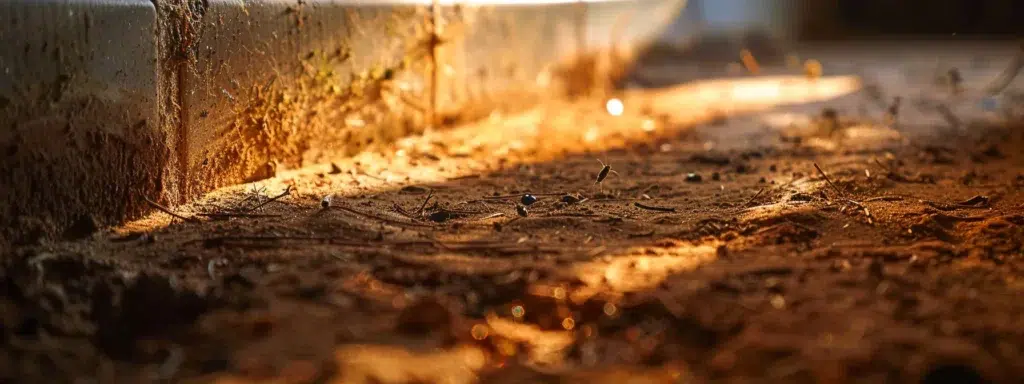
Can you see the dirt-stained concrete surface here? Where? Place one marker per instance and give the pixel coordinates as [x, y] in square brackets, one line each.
[737, 241]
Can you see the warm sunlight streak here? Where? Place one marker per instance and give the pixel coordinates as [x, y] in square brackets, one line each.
[641, 268]
[752, 94]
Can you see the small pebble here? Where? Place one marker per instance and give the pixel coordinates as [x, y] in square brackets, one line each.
[693, 178]
[762, 180]
[569, 199]
[440, 217]
[716, 176]
[773, 168]
[528, 199]
[521, 210]
[326, 202]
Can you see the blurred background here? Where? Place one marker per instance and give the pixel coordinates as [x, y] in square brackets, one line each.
[810, 20]
[708, 36]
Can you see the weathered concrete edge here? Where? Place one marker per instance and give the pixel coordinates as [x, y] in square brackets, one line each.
[79, 130]
[344, 77]
[278, 84]
[156, 152]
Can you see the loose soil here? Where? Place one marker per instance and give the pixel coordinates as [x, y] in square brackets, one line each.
[736, 241]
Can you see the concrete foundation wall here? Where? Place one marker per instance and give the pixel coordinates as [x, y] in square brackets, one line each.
[80, 137]
[104, 104]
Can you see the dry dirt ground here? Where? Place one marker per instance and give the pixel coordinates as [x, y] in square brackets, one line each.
[737, 240]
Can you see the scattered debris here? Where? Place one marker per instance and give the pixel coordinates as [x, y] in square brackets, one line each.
[528, 199]
[521, 210]
[885, 198]
[830, 183]
[570, 199]
[379, 218]
[693, 178]
[425, 201]
[976, 201]
[440, 216]
[752, 198]
[653, 208]
[287, 191]
[168, 211]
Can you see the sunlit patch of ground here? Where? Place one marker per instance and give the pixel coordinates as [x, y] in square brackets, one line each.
[641, 268]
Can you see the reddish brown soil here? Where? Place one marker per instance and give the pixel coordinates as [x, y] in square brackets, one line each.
[905, 264]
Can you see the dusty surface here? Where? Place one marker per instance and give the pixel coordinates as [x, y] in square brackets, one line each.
[716, 252]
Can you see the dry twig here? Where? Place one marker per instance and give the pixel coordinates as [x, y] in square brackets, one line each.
[830, 183]
[286, 192]
[653, 208]
[166, 210]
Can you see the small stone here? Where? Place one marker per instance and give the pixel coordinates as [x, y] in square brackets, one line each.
[570, 199]
[521, 210]
[693, 178]
[773, 168]
[716, 176]
[440, 216]
[528, 199]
